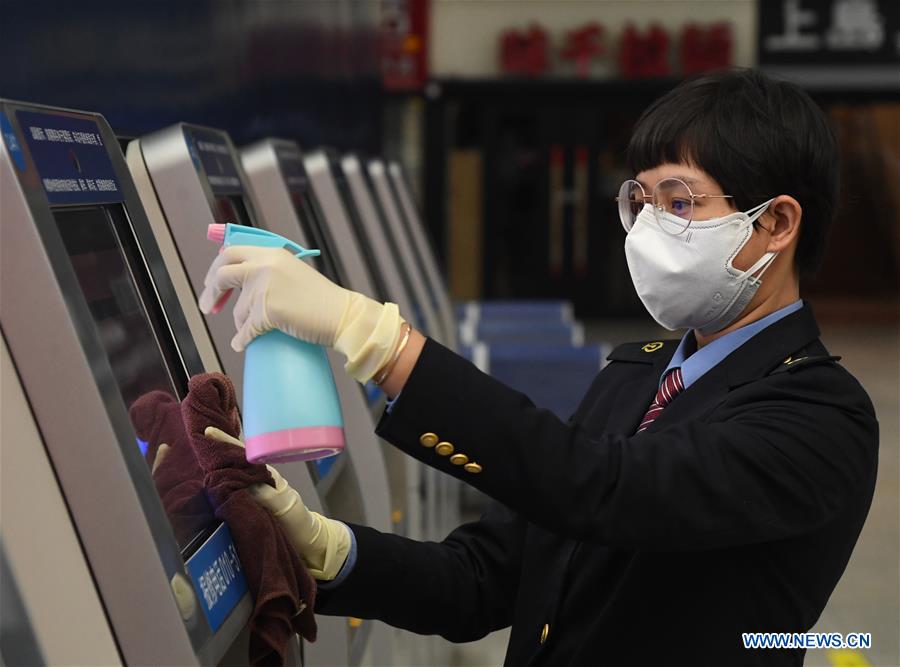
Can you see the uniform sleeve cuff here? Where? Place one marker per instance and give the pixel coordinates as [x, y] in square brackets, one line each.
[346, 568]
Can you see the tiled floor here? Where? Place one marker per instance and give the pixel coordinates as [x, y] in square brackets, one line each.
[868, 597]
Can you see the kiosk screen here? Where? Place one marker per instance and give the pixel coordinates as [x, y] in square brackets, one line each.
[231, 208]
[290, 163]
[327, 261]
[143, 357]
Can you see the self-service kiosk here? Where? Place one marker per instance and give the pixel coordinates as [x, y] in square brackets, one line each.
[440, 492]
[403, 246]
[189, 177]
[366, 216]
[333, 202]
[90, 324]
[416, 229]
[287, 206]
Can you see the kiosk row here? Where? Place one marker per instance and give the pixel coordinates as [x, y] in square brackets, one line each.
[103, 256]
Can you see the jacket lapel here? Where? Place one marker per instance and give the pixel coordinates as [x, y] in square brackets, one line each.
[751, 361]
[635, 396]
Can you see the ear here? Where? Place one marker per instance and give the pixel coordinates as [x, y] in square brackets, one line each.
[782, 220]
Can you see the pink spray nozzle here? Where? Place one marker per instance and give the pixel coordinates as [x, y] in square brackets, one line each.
[216, 233]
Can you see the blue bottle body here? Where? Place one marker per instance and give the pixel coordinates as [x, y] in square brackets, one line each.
[279, 376]
[291, 407]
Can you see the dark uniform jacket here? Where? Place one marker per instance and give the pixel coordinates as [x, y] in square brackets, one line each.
[735, 511]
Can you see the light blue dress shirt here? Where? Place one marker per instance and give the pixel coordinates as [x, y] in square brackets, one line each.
[694, 364]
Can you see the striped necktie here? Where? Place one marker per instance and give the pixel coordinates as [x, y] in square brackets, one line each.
[672, 385]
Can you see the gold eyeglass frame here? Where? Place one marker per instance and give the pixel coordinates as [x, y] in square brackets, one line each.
[657, 208]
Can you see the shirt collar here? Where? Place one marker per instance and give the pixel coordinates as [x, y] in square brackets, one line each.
[696, 363]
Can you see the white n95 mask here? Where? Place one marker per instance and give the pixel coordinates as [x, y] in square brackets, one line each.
[687, 281]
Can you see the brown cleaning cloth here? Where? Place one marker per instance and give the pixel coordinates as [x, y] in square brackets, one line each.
[156, 417]
[284, 591]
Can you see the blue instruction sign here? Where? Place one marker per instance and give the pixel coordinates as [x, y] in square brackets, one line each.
[73, 164]
[213, 151]
[217, 576]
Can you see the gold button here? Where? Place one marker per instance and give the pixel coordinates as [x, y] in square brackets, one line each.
[444, 448]
[459, 459]
[396, 516]
[473, 467]
[428, 439]
[545, 632]
[354, 622]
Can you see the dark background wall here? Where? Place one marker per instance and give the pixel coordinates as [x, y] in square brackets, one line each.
[305, 69]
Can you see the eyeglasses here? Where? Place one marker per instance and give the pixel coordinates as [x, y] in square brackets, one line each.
[670, 195]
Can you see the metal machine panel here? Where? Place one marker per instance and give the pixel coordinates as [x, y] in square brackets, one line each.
[57, 598]
[71, 221]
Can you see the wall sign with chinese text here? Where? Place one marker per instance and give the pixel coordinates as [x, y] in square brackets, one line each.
[812, 37]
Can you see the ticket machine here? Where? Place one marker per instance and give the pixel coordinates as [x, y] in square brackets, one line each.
[91, 323]
[404, 249]
[189, 177]
[409, 212]
[367, 217]
[424, 513]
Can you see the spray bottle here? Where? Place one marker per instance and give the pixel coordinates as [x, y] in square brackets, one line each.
[291, 406]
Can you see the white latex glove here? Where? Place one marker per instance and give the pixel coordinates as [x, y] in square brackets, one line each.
[322, 543]
[278, 291]
[161, 452]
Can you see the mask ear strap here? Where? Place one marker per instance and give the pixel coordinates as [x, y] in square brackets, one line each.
[755, 212]
[763, 263]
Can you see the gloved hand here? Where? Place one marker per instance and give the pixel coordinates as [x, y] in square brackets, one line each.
[322, 543]
[161, 452]
[281, 292]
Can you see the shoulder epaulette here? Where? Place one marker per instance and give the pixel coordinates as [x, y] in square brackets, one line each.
[795, 362]
[646, 352]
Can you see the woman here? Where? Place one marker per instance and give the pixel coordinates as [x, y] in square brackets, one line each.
[705, 488]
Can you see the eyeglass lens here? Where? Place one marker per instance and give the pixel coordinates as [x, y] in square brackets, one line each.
[631, 201]
[670, 195]
[674, 197]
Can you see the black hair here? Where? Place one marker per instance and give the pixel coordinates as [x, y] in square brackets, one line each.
[757, 137]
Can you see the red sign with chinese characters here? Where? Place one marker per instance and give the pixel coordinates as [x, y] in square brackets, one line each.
[404, 44]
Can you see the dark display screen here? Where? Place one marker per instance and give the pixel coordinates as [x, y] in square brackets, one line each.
[305, 210]
[343, 188]
[116, 305]
[141, 352]
[212, 150]
[290, 163]
[231, 208]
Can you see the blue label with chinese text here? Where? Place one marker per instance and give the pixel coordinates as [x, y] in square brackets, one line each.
[218, 576]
